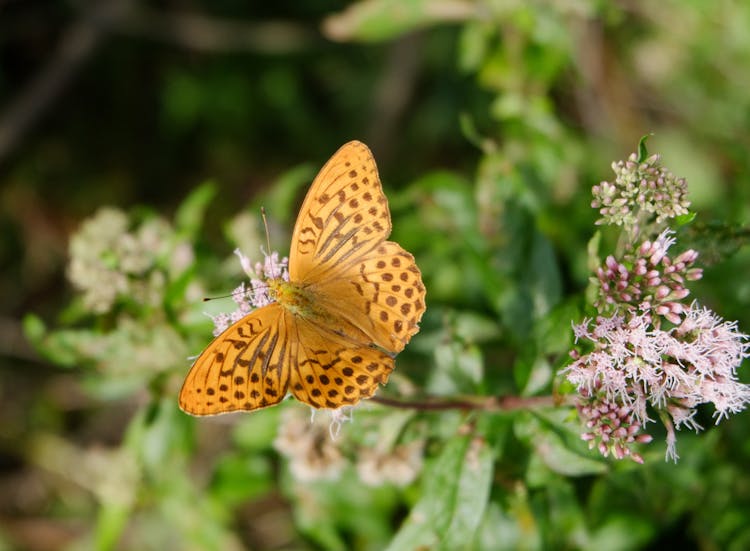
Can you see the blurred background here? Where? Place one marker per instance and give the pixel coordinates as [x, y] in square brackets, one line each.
[490, 122]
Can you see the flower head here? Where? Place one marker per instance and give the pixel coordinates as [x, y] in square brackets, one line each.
[112, 259]
[648, 280]
[307, 443]
[640, 189]
[257, 294]
[399, 466]
[633, 364]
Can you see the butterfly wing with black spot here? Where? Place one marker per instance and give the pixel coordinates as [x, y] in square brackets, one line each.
[244, 368]
[328, 370]
[343, 217]
[339, 251]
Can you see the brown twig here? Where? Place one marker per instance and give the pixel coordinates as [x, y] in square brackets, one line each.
[482, 403]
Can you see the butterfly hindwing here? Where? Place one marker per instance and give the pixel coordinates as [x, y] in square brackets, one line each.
[331, 371]
[382, 295]
[244, 368]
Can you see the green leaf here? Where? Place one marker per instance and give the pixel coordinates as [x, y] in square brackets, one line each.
[189, 216]
[458, 368]
[473, 327]
[61, 347]
[256, 432]
[475, 42]
[642, 151]
[472, 494]
[176, 289]
[532, 374]
[281, 200]
[621, 533]
[454, 497]
[158, 434]
[559, 449]
[34, 329]
[685, 219]
[110, 522]
[240, 477]
[469, 129]
[543, 275]
[554, 333]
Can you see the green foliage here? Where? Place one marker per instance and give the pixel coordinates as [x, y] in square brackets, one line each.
[452, 501]
[537, 100]
[376, 20]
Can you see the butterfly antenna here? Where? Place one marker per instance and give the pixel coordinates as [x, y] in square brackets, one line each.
[206, 299]
[265, 225]
[251, 290]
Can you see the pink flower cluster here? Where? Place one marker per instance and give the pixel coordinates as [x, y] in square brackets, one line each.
[648, 349]
[633, 365]
[648, 279]
[257, 295]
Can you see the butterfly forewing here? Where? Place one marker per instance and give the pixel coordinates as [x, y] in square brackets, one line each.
[339, 250]
[343, 218]
[245, 368]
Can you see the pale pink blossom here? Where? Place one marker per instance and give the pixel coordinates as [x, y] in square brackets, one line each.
[257, 294]
[634, 365]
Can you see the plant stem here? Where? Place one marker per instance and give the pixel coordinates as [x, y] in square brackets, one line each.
[483, 403]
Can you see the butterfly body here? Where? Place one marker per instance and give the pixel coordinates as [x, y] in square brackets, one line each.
[303, 304]
[294, 298]
[352, 302]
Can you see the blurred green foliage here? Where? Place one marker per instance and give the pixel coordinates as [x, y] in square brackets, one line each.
[490, 122]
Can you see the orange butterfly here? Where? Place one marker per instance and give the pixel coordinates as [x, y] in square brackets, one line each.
[352, 302]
